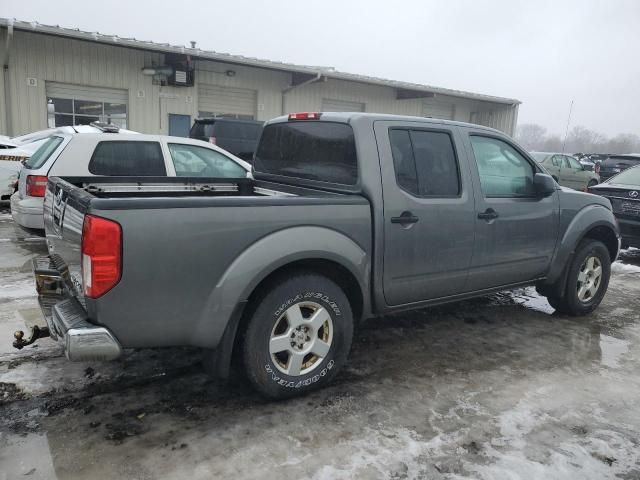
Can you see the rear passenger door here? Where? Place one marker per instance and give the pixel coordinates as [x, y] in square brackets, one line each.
[428, 212]
[516, 229]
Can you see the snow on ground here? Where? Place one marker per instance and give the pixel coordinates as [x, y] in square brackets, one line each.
[619, 267]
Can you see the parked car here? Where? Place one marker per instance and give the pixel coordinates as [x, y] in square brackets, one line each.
[11, 162]
[567, 170]
[239, 137]
[115, 154]
[350, 215]
[615, 164]
[623, 191]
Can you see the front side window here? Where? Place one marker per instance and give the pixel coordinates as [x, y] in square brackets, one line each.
[503, 171]
[42, 154]
[128, 158]
[557, 161]
[573, 163]
[425, 162]
[195, 161]
[69, 111]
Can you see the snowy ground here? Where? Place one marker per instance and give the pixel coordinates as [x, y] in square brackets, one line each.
[495, 388]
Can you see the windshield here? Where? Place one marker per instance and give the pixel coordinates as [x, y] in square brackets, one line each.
[628, 177]
[322, 151]
[43, 153]
[539, 157]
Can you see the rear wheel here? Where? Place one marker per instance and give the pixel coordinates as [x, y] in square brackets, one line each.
[298, 337]
[592, 183]
[587, 280]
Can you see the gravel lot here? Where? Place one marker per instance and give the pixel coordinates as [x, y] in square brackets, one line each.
[499, 387]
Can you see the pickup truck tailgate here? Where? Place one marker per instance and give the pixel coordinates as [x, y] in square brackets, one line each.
[63, 220]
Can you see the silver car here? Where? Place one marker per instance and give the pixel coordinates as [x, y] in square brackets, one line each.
[567, 170]
[115, 154]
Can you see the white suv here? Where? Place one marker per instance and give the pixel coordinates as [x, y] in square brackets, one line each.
[115, 154]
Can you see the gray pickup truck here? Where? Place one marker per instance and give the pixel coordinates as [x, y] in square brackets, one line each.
[349, 216]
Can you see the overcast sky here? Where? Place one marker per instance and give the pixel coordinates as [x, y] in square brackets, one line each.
[544, 53]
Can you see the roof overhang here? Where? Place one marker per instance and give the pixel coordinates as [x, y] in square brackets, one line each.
[404, 90]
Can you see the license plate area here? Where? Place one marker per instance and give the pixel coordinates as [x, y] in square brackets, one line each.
[631, 208]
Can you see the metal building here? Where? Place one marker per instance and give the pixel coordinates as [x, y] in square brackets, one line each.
[57, 76]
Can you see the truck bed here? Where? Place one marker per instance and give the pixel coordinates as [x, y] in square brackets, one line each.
[179, 289]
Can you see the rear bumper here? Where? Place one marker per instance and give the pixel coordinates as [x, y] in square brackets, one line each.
[67, 319]
[27, 212]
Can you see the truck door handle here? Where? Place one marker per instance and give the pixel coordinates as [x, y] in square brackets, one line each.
[488, 214]
[405, 218]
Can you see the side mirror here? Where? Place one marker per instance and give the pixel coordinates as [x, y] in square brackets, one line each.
[544, 184]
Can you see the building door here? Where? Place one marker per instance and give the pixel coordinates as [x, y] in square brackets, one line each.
[438, 109]
[69, 104]
[179, 125]
[217, 101]
[331, 105]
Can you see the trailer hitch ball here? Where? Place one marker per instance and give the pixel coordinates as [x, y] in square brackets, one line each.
[36, 333]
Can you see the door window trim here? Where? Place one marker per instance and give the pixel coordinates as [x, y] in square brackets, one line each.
[523, 154]
[449, 133]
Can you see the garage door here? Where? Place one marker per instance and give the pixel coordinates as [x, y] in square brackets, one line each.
[435, 109]
[330, 105]
[80, 105]
[215, 101]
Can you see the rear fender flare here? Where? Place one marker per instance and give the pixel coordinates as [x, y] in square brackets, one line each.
[265, 256]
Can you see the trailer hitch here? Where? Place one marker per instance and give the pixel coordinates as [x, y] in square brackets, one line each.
[36, 333]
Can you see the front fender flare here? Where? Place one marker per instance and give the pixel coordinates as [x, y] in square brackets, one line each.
[590, 217]
[265, 256]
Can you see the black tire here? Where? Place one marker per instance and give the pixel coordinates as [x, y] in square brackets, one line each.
[271, 318]
[592, 183]
[570, 303]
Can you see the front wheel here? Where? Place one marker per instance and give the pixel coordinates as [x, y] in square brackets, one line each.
[587, 280]
[298, 336]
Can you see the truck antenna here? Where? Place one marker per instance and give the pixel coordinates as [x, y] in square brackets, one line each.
[566, 133]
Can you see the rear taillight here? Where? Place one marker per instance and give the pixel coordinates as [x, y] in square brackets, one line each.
[212, 140]
[36, 185]
[304, 116]
[101, 255]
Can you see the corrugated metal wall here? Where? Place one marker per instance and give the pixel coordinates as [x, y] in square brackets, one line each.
[47, 58]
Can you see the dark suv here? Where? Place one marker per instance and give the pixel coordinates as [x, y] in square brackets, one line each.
[615, 164]
[239, 137]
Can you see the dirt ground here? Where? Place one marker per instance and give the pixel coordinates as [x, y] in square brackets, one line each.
[497, 388]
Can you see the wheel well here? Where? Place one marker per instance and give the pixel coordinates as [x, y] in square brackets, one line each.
[606, 236]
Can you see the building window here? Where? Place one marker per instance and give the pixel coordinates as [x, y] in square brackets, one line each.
[67, 111]
[237, 116]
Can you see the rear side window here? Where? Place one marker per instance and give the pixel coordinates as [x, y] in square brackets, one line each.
[236, 130]
[321, 151]
[42, 154]
[425, 163]
[127, 158]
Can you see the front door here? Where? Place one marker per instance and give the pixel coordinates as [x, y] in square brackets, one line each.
[575, 173]
[516, 229]
[179, 125]
[428, 212]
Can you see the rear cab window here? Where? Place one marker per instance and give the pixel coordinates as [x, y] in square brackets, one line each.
[42, 154]
[122, 158]
[309, 150]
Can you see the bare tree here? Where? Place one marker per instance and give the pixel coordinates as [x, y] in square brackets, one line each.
[530, 135]
[579, 139]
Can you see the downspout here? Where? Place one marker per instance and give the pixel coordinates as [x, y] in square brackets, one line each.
[5, 73]
[317, 78]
